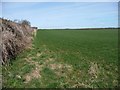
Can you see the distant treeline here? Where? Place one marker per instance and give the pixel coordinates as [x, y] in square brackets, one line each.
[83, 29]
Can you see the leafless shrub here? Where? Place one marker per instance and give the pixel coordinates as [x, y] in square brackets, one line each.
[24, 22]
[15, 38]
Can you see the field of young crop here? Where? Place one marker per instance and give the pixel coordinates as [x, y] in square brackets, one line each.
[67, 59]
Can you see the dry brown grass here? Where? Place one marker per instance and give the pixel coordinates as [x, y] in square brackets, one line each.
[93, 70]
[15, 38]
[35, 74]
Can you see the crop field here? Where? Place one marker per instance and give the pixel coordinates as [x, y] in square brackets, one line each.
[67, 59]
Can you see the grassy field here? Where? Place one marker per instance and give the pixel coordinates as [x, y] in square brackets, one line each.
[66, 59]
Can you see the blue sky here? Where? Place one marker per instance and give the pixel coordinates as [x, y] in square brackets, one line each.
[63, 14]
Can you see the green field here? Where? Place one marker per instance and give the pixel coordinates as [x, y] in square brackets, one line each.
[67, 59]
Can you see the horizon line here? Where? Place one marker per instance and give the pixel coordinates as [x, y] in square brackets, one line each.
[84, 28]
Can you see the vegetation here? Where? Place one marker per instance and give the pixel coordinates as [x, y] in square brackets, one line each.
[15, 38]
[23, 22]
[66, 58]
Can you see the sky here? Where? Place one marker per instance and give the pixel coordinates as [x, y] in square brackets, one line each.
[63, 14]
[60, 0]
